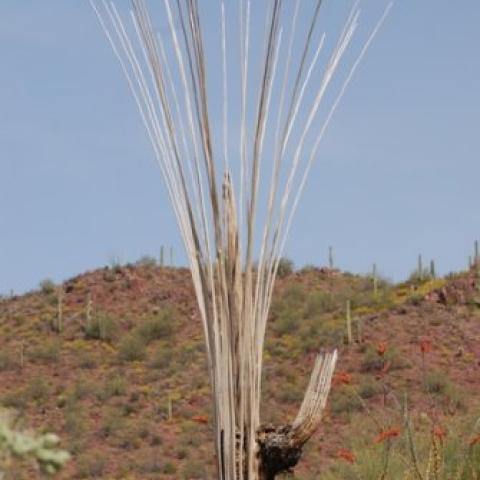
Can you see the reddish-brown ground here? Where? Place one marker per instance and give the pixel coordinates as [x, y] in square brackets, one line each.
[110, 401]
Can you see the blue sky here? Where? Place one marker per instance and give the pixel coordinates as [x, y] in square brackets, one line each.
[398, 172]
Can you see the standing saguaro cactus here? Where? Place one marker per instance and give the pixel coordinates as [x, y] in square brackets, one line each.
[420, 267]
[230, 94]
[348, 318]
[375, 280]
[59, 317]
[330, 258]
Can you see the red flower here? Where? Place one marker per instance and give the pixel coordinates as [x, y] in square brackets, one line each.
[342, 378]
[425, 346]
[346, 455]
[200, 418]
[439, 432]
[381, 348]
[390, 433]
[474, 441]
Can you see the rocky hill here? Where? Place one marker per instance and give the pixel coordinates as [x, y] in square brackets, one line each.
[113, 361]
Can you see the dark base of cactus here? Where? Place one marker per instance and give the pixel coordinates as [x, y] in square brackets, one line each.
[278, 453]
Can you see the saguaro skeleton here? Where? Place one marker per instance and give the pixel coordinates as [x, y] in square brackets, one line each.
[233, 95]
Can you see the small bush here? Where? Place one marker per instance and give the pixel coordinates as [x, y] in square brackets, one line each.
[155, 328]
[47, 352]
[169, 468]
[451, 396]
[290, 393]
[74, 419]
[162, 359]
[436, 382]
[132, 348]
[345, 401]
[80, 389]
[308, 268]
[194, 470]
[285, 267]
[115, 387]
[102, 328]
[321, 302]
[87, 360]
[47, 286]
[91, 465]
[38, 389]
[418, 278]
[368, 389]
[113, 424]
[6, 362]
[15, 399]
[288, 312]
[147, 261]
[372, 361]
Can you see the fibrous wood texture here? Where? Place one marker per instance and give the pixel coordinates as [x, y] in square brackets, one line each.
[233, 96]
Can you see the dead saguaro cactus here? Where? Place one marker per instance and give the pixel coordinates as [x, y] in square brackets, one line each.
[233, 98]
[280, 447]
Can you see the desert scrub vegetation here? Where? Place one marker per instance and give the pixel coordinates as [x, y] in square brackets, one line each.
[285, 267]
[316, 315]
[6, 360]
[132, 348]
[374, 360]
[47, 286]
[156, 327]
[48, 351]
[101, 327]
[445, 392]
[146, 261]
[423, 450]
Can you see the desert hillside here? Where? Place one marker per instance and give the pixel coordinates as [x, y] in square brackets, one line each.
[113, 361]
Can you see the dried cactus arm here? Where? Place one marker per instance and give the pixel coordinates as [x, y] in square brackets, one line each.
[310, 414]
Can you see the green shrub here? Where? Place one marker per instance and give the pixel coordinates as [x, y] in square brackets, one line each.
[345, 401]
[15, 399]
[47, 286]
[169, 468]
[6, 362]
[112, 424]
[419, 278]
[146, 261]
[415, 450]
[321, 302]
[38, 389]
[157, 327]
[372, 361]
[194, 470]
[74, 419]
[47, 352]
[285, 267]
[132, 348]
[115, 387]
[437, 383]
[291, 393]
[162, 358]
[288, 311]
[80, 389]
[91, 465]
[308, 268]
[87, 360]
[368, 389]
[102, 327]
